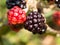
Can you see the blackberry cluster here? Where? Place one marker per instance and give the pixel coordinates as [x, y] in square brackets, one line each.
[20, 3]
[35, 23]
[58, 3]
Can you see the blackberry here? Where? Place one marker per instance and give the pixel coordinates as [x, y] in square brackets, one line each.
[35, 23]
[58, 3]
[11, 3]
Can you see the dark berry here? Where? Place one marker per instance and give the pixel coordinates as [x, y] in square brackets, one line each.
[57, 3]
[30, 22]
[35, 16]
[20, 3]
[35, 23]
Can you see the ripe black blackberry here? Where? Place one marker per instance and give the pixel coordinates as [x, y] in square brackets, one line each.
[58, 3]
[20, 3]
[35, 23]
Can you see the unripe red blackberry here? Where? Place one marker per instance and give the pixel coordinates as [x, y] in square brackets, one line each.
[16, 16]
[35, 23]
[20, 3]
[56, 18]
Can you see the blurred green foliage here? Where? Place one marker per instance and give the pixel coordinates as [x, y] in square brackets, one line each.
[58, 40]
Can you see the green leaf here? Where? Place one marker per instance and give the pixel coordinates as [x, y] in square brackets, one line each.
[49, 13]
[24, 35]
[4, 29]
[6, 42]
[58, 40]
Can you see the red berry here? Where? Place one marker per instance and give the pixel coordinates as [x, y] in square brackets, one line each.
[16, 16]
[56, 18]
